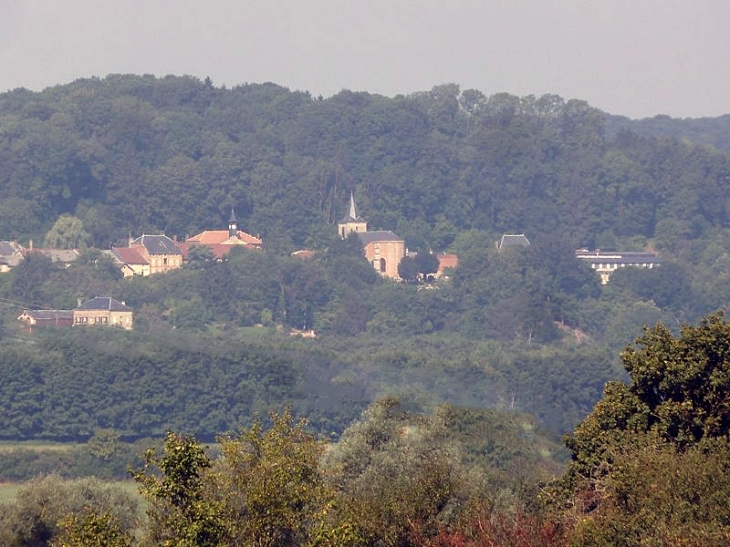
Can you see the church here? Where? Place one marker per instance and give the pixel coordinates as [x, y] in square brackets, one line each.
[382, 248]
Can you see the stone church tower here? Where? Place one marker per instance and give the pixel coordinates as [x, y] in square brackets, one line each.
[352, 221]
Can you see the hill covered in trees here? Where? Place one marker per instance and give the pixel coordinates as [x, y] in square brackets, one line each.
[448, 169]
[132, 154]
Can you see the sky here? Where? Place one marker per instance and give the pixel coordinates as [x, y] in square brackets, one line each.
[637, 58]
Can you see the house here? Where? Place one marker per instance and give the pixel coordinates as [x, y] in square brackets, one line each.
[147, 255]
[59, 256]
[220, 242]
[605, 263]
[130, 261]
[47, 318]
[446, 261]
[382, 248]
[104, 310]
[513, 240]
[11, 254]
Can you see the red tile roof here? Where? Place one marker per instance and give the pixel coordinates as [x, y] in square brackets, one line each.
[128, 255]
[447, 261]
[219, 237]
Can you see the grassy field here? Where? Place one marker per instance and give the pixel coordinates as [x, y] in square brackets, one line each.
[7, 446]
[8, 490]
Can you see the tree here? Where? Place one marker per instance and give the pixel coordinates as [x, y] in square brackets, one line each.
[271, 484]
[407, 269]
[397, 475]
[426, 263]
[181, 513]
[37, 515]
[92, 530]
[67, 233]
[679, 394]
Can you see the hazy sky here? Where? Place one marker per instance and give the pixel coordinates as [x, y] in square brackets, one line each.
[632, 57]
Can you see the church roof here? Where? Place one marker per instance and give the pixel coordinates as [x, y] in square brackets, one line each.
[378, 235]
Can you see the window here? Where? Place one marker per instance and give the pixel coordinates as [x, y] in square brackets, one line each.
[382, 265]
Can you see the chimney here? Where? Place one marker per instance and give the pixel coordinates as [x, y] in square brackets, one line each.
[78, 302]
[30, 244]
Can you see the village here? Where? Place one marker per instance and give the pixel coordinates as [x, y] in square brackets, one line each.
[151, 254]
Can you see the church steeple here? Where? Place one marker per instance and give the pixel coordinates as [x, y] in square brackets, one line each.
[352, 221]
[232, 225]
[353, 209]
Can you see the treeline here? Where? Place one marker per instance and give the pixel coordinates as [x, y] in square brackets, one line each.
[129, 154]
[67, 384]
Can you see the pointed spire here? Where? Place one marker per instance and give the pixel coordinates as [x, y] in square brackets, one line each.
[352, 215]
[232, 224]
[353, 209]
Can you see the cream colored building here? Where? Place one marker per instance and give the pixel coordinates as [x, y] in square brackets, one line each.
[104, 311]
[605, 263]
[147, 255]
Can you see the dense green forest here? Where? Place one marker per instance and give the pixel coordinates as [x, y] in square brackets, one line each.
[648, 467]
[94, 161]
[489, 365]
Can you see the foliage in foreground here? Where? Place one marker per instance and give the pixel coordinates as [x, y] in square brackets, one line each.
[650, 464]
[651, 468]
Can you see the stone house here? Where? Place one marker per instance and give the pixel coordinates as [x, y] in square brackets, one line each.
[147, 255]
[106, 311]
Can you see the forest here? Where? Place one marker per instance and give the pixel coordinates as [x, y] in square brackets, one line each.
[90, 163]
[522, 342]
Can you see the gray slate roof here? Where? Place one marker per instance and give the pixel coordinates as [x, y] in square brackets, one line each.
[514, 240]
[10, 253]
[8, 248]
[50, 315]
[158, 245]
[378, 235]
[104, 303]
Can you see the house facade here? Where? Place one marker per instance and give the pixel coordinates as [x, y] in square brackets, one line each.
[147, 255]
[605, 263]
[104, 311]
